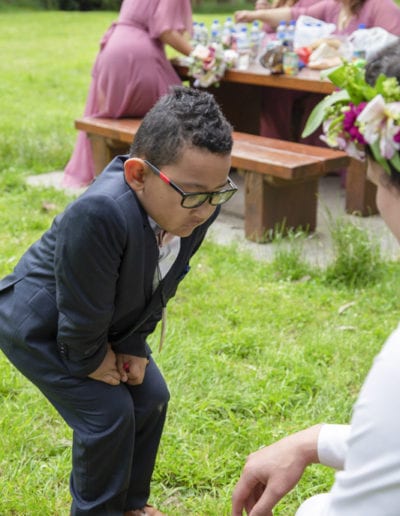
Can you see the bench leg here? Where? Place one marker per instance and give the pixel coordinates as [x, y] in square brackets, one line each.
[360, 193]
[104, 150]
[273, 206]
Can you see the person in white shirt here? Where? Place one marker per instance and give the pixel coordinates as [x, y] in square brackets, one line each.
[366, 452]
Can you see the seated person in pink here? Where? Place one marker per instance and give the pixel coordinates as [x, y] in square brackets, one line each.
[284, 112]
[131, 71]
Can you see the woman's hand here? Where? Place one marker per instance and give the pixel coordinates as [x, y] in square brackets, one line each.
[131, 368]
[271, 472]
[107, 371]
[245, 16]
[262, 4]
[270, 16]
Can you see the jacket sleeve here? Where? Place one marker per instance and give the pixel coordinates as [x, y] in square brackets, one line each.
[135, 341]
[90, 242]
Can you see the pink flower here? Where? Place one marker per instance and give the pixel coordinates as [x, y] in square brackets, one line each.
[349, 122]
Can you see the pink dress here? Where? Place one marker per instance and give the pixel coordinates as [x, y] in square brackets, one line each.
[285, 112]
[131, 71]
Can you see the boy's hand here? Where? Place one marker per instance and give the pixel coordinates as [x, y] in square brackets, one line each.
[107, 371]
[131, 368]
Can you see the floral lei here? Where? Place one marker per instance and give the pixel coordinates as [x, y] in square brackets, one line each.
[360, 115]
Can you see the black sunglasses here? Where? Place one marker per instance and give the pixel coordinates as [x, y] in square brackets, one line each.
[193, 200]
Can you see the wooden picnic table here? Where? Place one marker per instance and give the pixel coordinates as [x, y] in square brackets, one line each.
[257, 75]
[239, 95]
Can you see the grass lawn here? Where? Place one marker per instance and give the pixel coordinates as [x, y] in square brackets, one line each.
[249, 356]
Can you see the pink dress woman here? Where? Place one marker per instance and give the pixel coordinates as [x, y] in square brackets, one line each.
[131, 71]
[284, 112]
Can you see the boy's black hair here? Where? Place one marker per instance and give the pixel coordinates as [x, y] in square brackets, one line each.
[186, 117]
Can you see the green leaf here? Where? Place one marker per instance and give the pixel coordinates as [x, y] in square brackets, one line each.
[378, 156]
[339, 76]
[317, 115]
[395, 161]
[351, 77]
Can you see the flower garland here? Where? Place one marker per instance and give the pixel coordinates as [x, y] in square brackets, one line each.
[360, 115]
[207, 64]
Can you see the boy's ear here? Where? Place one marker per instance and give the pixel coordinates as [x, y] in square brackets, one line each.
[134, 173]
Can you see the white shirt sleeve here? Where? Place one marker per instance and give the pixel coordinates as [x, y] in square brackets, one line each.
[332, 445]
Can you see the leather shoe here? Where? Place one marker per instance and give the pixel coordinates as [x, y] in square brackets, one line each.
[147, 510]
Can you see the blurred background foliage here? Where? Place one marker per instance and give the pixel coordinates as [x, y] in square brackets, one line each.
[207, 6]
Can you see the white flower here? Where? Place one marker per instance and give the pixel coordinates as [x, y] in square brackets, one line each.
[371, 118]
[230, 57]
[200, 52]
[379, 121]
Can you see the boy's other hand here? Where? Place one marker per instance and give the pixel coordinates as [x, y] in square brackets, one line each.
[132, 368]
[107, 371]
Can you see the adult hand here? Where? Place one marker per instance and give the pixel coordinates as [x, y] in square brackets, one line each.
[132, 368]
[271, 472]
[107, 371]
[245, 16]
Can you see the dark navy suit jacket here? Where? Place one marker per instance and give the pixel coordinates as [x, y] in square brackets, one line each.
[88, 280]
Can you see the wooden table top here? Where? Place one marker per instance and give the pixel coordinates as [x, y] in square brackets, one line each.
[257, 75]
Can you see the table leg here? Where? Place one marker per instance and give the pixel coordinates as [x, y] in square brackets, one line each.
[360, 192]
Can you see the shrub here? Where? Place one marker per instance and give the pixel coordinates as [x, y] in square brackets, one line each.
[357, 257]
[288, 261]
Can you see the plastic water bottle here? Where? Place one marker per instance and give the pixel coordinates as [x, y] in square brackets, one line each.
[281, 32]
[290, 32]
[215, 37]
[203, 34]
[243, 49]
[255, 40]
[226, 33]
[359, 51]
[215, 32]
[195, 34]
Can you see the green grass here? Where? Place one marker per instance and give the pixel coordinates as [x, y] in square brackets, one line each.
[250, 354]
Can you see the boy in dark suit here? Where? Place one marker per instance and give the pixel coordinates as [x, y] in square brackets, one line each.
[76, 311]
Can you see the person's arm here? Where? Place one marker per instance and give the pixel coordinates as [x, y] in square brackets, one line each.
[90, 241]
[273, 471]
[270, 16]
[262, 4]
[176, 40]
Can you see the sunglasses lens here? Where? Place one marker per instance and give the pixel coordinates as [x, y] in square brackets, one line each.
[221, 197]
[193, 201]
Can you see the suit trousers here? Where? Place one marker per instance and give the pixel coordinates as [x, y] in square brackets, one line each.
[116, 429]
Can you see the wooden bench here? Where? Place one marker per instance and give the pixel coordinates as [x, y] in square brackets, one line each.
[281, 178]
